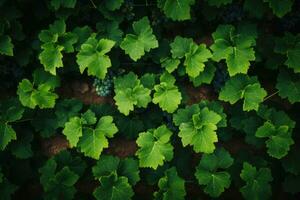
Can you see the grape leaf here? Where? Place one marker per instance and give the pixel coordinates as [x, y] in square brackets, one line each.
[180, 46]
[205, 76]
[93, 141]
[167, 94]
[57, 183]
[122, 167]
[143, 40]
[289, 45]
[236, 47]
[218, 3]
[257, 182]
[6, 46]
[288, 86]
[154, 147]
[243, 87]
[280, 8]
[130, 92]
[171, 186]
[113, 5]
[56, 4]
[195, 59]
[200, 130]
[113, 188]
[178, 10]
[92, 55]
[7, 189]
[73, 130]
[279, 139]
[41, 95]
[207, 172]
[55, 40]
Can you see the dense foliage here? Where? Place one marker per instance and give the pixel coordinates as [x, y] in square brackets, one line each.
[149, 99]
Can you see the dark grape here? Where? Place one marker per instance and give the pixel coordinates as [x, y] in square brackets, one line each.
[232, 13]
[104, 87]
[220, 78]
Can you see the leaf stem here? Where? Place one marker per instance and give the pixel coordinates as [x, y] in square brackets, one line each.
[271, 95]
[22, 120]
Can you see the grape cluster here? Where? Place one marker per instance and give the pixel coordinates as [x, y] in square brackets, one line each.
[104, 87]
[232, 13]
[220, 78]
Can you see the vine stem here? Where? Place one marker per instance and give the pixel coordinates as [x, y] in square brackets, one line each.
[271, 95]
[22, 120]
[92, 2]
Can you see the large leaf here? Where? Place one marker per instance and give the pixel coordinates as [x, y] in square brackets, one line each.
[143, 40]
[154, 147]
[176, 10]
[92, 55]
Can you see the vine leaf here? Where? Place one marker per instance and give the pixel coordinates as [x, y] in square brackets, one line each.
[178, 10]
[167, 94]
[279, 139]
[257, 182]
[243, 87]
[171, 186]
[208, 173]
[40, 92]
[6, 46]
[236, 47]
[130, 92]
[154, 147]
[92, 55]
[143, 40]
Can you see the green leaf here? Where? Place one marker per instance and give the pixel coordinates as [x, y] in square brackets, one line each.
[93, 141]
[178, 10]
[289, 45]
[113, 5]
[205, 76]
[7, 189]
[6, 46]
[22, 147]
[167, 94]
[7, 134]
[170, 64]
[92, 55]
[180, 46]
[143, 40]
[200, 130]
[171, 186]
[110, 30]
[154, 147]
[207, 172]
[109, 164]
[57, 183]
[216, 107]
[56, 4]
[55, 40]
[195, 59]
[288, 86]
[51, 57]
[236, 47]
[243, 87]
[41, 96]
[73, 130]
[280, 8]
[257, 182]
[130, 92]
[218, 3]
[279, 139]
[113, 188]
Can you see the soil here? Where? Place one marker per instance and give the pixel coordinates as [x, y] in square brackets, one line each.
[82, 90]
